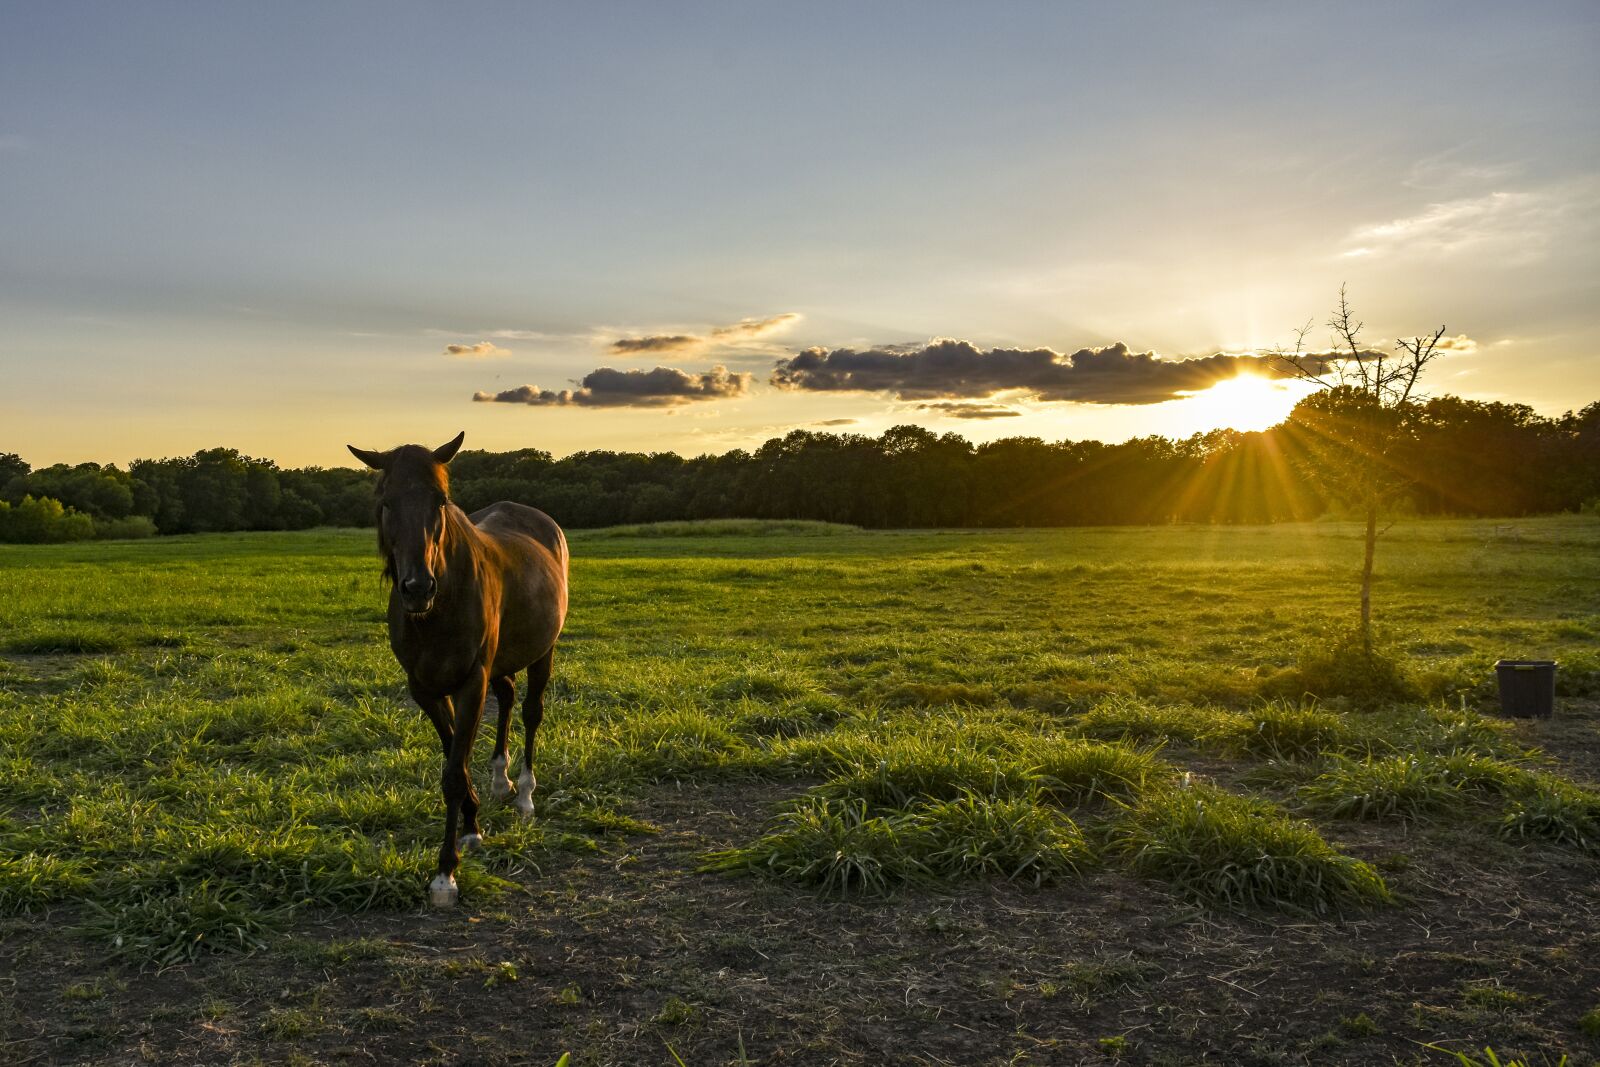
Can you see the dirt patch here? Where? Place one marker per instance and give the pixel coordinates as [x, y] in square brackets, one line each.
[43, 669]
[628, 956]
[1571, 736]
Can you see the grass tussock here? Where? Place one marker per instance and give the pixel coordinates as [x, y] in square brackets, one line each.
[1072, 771]
[1554, 810]
[1289, 731]
[910, 774]
[1336, 662]
[1239, 853]
[1405, 788]
[1132, 720]
[841, 846]
[30, 882]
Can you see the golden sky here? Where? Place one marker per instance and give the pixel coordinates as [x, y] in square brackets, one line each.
[283, 229]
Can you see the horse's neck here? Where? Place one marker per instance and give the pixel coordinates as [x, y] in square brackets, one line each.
[461, 540]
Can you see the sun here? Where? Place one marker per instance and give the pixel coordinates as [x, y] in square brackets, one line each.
[1246, 402]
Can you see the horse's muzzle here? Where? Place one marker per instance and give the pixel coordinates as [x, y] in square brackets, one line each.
[416, 594]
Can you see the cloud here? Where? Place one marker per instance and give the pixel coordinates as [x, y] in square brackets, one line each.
[657, 343]
[1459, 343]
[743, 332]
[1449, 172]
[608, 388]
[970, 411]
[947, 369]
[836, 422]
[481, 350]
[1515, 227]
[750, 329]
[528, 335]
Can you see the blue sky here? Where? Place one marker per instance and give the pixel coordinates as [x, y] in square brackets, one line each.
[263, 226]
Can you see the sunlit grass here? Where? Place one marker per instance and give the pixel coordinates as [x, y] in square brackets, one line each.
[203, 737]
[1239, 852]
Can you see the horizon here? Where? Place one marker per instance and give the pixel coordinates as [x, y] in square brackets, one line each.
[696, 230]
[975, 442]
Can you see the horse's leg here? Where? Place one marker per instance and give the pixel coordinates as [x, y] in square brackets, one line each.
[532, 716]
[439, 713]
[505, 695]
[459, 796]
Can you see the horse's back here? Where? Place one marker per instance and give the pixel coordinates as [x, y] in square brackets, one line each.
[506, 516]
[533, 600]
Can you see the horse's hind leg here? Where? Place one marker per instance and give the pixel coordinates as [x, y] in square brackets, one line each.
[532, 716]
[505, 695]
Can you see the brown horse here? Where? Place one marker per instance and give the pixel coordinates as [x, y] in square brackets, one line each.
[474, 599]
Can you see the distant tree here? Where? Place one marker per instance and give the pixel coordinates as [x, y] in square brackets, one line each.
[1359, 428]
[1577, 467]
[36, 521]
[103, 492]
[12, 466]
[215, 490]
[160, 479]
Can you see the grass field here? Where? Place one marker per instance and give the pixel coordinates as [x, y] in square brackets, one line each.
[813, 795]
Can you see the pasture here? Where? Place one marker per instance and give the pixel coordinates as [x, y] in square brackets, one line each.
[812, 795]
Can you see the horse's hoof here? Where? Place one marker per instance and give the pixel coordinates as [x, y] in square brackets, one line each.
[525, 787]
[500, 785]
[468, 842]
[442, 891]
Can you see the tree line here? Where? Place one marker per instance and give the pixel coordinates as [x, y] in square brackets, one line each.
[1463, 457]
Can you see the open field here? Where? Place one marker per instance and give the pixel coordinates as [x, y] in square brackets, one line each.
[813, 796]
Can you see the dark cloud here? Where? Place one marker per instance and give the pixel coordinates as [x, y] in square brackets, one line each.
[970, 411]
[677, 342]
[608, 388]
[740, 332]
[949, 369]
[836, 422]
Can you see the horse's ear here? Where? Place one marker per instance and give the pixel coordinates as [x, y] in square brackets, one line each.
[376, 460]
[446, 452]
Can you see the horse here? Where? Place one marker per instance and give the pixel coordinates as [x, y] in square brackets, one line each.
[473, 600]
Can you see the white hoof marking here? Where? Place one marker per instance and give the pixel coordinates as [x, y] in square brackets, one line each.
[526, 784]
[469, 842]
[499, 781]
[442, 891]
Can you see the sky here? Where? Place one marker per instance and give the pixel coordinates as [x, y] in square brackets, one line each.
[692, 227]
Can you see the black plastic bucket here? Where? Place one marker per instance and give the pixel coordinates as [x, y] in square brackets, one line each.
[1527, 687]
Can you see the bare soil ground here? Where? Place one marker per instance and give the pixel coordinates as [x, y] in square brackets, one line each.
[627, 955]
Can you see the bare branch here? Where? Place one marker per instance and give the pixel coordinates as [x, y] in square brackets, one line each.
[1299, 362]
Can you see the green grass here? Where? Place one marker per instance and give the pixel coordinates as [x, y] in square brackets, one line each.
[202, 737]
[727, 528]
[1240, 852]
[1551, 809]
[840, 846]
[1392, 787]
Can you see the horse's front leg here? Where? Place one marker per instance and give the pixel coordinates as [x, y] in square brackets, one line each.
[459, 796]
[439, 713]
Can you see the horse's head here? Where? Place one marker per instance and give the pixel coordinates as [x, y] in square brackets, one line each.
[413, 493]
